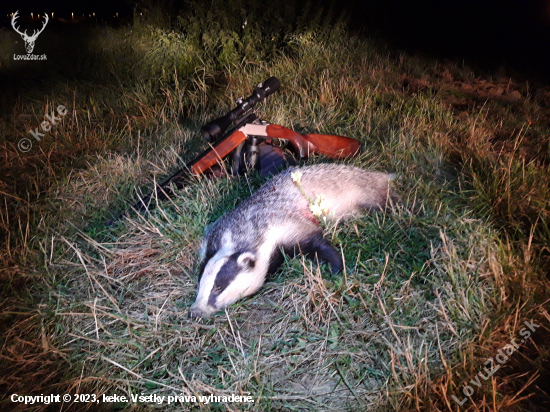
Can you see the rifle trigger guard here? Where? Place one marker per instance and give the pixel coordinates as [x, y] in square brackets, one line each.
[280, 143]
[238, 160]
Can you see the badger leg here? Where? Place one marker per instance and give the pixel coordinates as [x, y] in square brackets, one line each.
[276, 261]
[325, 251]
[315, 245]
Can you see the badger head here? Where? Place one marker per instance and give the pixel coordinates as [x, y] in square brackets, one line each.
[226, 277]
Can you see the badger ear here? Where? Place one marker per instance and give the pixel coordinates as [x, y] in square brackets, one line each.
[246, 260]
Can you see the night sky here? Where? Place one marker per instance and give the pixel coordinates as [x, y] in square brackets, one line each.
[490, 33]
[66, 7]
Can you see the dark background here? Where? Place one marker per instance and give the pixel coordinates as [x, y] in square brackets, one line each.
[486, 33]
[489, 33]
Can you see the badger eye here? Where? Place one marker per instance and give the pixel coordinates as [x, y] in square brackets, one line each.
[217, 289]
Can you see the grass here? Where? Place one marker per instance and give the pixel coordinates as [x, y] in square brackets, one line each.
[431, 288]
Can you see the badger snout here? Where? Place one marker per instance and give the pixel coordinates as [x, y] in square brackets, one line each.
[195, 313]
[200, 311]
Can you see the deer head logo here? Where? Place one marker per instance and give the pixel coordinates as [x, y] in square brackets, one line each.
[29, 40]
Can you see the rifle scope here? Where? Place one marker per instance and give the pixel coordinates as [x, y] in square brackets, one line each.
[214, 129]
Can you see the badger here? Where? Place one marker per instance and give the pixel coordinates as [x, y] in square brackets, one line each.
[240, 249]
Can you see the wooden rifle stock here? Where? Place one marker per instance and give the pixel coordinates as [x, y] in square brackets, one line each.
[217, 153]
[199, 165]
[333, 146]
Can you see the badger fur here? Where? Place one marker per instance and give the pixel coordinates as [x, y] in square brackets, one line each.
[246, 244]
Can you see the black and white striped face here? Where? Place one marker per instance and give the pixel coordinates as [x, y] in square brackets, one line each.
[226, 277]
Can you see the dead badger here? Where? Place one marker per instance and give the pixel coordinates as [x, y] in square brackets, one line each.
[243, 246]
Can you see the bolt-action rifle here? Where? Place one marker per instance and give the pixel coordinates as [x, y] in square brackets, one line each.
[255, 145]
